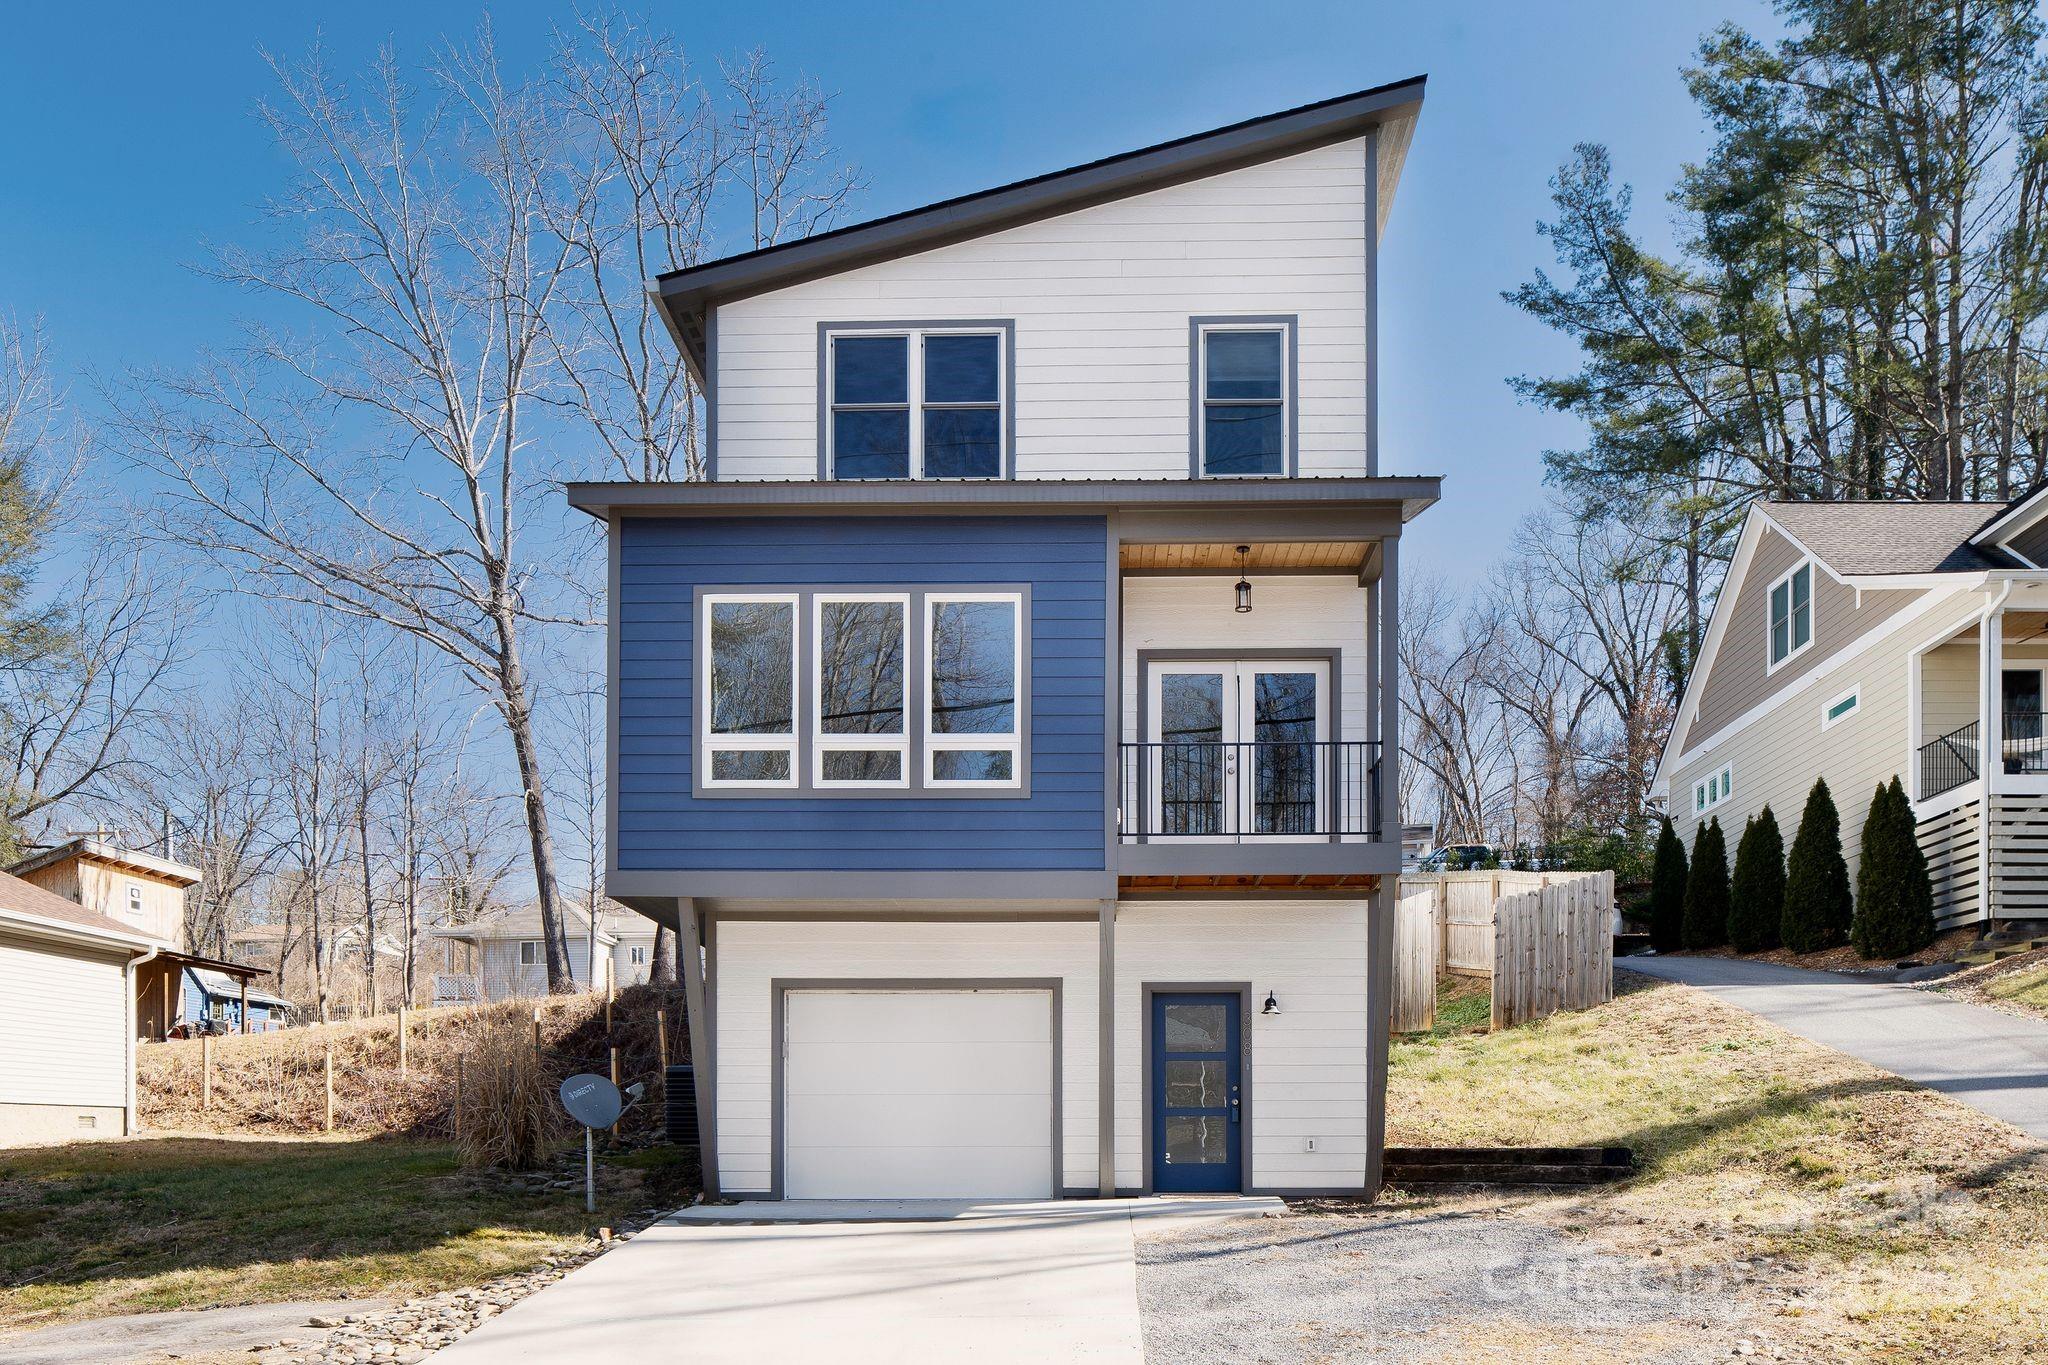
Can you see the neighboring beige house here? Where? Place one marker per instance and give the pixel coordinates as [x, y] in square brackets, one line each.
[502, 956]
[67, 1021]
[1857, 641]
[140, 890]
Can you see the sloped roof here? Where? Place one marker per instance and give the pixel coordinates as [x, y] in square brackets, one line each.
[30, 900]
[100, 850]
[686, 294]
[1856, 538]
[225, 987]
[614, 922]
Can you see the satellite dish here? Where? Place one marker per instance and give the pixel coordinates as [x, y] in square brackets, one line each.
[591, 1100]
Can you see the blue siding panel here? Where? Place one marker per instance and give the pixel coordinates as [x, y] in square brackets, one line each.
[662, 563]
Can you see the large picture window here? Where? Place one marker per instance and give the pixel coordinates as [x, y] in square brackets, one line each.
[916, 403]
[861, 738]
[750, 695]
[974, 662]
[1244, 424]
[907, 689]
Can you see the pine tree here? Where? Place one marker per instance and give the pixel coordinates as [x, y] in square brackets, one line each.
[1667, 892]
[1756, 900]
[1706, 889]
[1818, 907]
[1894, 899]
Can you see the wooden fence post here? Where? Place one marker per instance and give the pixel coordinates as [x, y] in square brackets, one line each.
[401, 1042]
[327, 1069]
[455, 1109]
[536, 1035]
[661, 1040]
[615, 1083]
[206, 1071]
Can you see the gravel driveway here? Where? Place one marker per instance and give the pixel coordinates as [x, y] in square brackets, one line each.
[1414, 1285]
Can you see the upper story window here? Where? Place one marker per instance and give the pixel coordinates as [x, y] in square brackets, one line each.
[134, 900]
[1244, 391]
[923, 401]
[1792, 613]
[907, 690]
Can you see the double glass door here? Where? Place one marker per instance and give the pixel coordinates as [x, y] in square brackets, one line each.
[1238, 748]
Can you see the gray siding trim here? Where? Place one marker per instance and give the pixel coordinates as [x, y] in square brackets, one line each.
[612, 636]
[1390, 693]
[1243, 991]
[703, 1069]
[780, 987]
[1289, 323]
[1255, 857]
[1007, 326]
[711, 394]
[1048, 915]
[1393, 500]
[956, 886]
[1379, 970]
[915, 649]
[1112, 686]
[1331, 657]
[1372, 301]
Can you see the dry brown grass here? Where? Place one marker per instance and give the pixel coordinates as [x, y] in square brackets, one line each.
[506, 1114]
[1917, 1227]
[1947, 947]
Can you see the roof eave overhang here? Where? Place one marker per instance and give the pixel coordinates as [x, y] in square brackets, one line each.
[1412, 495]
[687, 296]
[67, 932]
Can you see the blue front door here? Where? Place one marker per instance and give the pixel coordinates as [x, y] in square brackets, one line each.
[1197, 1069]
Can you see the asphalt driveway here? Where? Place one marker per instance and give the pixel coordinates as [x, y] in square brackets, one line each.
[879, 1282]
[1991, 1061]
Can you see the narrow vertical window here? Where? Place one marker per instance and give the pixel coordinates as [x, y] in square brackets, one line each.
[1791, 606]
[963, 406]
[974, 662]
[861, 739]
[871, 407]
[749, 689]
[1244, 417]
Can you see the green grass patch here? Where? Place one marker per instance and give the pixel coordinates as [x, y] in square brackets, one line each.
[2028, 988]
[89, 1229]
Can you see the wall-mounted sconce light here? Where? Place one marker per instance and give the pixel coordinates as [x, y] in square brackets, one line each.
[1244, 585]
[1272, 1005]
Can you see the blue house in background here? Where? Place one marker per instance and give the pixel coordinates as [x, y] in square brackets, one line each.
[1004, 720]
[214, 995]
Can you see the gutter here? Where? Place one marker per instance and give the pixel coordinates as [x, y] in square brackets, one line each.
[1994, 750]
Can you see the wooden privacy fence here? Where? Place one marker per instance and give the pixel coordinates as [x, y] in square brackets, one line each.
[1545, 938]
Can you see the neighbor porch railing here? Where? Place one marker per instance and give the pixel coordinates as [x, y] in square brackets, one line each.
[1199, 791]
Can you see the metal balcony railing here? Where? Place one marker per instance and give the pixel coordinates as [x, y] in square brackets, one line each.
[1200, 791]
[2024, 744]
[1949, 762]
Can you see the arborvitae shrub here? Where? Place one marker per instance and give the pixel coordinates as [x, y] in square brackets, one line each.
[1756, 898]
[1818, 907]
[1667, 892]
[1894, 899]
[1706, 889]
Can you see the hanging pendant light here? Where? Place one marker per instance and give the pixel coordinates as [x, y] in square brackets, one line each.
[1244, 585]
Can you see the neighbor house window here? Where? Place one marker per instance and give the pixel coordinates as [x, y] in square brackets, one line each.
[1713, 790]
[134, 900]
[861, 737]
[1244, 425]
[636, 956]
[973, 662]
[1792, 613]
[749, 702]
[920, 403]
[529, 952]
[1841, 708]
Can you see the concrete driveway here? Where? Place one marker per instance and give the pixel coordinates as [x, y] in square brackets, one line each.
[910, 1282]
[1991, 1061]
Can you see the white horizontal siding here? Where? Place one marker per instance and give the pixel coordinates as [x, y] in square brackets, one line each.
[1307, 1064]
[63, 1025]
[752, 953]
[1101, 298]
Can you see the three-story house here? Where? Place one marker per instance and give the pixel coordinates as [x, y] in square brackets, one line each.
[1008, 717]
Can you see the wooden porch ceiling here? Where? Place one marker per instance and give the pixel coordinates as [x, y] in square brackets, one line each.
[1250, 884]
[1337, 556]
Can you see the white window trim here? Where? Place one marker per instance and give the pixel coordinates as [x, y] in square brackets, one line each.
[1202, 393]
[636, 956]
[135, 904]
[1854, 696]
[710, 744]
[913, 380]
[1721, 781]
[1013, 741]
[1812, 616]
[821, 743]
[539, 959]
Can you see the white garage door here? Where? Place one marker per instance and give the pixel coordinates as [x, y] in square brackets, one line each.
[917, 1094]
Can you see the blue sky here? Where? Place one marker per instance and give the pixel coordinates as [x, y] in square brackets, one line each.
[132, 146]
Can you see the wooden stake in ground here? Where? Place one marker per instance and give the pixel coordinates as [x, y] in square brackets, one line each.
[327, 1070]
[661, 1039]
[455, 1109]
[536, 1034]
[206, 1071]
[615, 1084]
[401, 1042]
